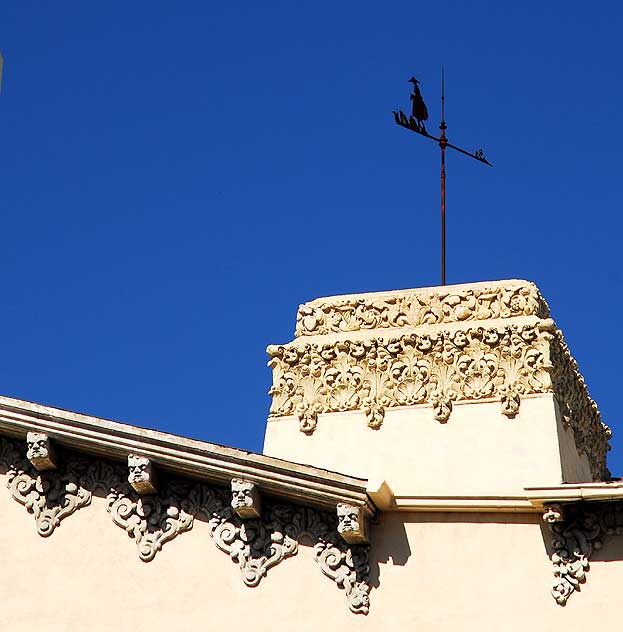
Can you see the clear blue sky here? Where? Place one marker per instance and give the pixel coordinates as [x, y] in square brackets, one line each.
[177, 177]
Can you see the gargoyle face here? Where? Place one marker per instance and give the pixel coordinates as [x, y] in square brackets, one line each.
[37, 445]
[347, 518]
[139, 470]
[241, 494]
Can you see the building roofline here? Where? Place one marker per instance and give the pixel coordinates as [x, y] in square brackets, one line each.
[188, 457]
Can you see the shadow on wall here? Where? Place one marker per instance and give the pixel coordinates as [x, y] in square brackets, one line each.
[390, 544]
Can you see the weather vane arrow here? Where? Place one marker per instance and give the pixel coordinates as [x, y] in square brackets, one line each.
[415, 123]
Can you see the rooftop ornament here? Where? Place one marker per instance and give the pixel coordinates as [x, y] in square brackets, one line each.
[415, 123]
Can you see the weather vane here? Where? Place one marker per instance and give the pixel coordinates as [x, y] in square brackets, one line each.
[419, 114]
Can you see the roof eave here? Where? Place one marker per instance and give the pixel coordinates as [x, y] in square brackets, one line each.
[210, 462]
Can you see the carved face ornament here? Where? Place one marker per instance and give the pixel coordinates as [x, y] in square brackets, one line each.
[492, 337]
[290, 355]
[348, 519]
[424, 344]
[241, 494]
[37, 446]
[393, 346]
[460, 339]
[138, 469]
[517, 304]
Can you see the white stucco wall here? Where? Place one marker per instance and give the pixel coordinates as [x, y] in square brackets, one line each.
[478, 451]
[429, 572]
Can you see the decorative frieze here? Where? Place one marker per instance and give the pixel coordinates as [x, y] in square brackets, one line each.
[578, 530]
[578, 411]
[437, 368]
[412, 308]
[255, 543]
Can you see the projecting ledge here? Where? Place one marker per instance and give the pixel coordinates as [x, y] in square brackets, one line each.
[494, 504]
[573, 492]
[532, 502]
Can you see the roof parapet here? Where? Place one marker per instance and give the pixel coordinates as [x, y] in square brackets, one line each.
[436, 348]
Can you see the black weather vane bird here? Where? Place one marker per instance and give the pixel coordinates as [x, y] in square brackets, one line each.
[419, 111]
[415, 123]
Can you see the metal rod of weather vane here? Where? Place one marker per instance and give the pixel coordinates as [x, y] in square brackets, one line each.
[443, 211]
[443, 142]
[415, 123]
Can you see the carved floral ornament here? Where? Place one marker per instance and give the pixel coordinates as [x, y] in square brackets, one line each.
[419, 307]
[437, 369]
[578, 530]
[254, 544]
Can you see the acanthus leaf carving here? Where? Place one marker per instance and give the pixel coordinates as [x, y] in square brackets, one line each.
[578, 411]
[412, 308]
[438, 368]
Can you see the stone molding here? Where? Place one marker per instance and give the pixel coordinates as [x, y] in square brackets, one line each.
[254, 544]
[578, 530]
[293, 482]
[438, 368]
[427, 306]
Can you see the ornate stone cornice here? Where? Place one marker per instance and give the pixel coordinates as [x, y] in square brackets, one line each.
[577, 409]
[427, 306]
[152, 520]
[437, 367]
[291, 482]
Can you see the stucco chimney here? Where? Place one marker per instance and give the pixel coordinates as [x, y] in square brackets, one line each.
[454, 390]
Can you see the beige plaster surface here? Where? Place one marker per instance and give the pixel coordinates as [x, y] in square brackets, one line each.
[478, 451]
[429, 572]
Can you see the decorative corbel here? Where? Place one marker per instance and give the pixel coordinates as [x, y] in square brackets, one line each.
[40, 451]
[578, 530]
[142, 475]
[351, 524]
[245, 499]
